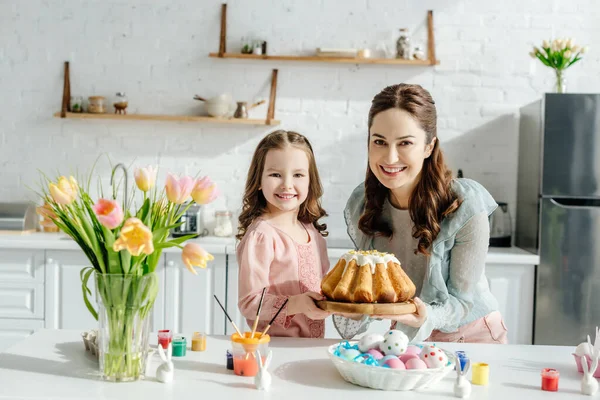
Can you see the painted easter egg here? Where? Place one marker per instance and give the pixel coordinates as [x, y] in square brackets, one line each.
[394, 343]
[375, 353]
[415, 363]
[395, 363]
[369, 342]
[386, 359]
[350, 354]
[405, 357]
[412, 349]
[434, 357]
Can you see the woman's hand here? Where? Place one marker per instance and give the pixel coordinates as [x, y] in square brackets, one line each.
[414, 320]
[305, 304]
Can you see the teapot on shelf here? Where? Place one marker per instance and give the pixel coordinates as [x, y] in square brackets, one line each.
[242, 108]
[219, 106]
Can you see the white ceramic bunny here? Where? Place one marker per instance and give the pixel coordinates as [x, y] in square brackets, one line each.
[462, 387]
[589, 384]
[164, 372]
[262, 380]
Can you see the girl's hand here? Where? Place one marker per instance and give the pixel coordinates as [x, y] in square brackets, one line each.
[305, 304]
[414, 320]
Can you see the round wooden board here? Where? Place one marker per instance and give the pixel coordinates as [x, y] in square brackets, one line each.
[368, 308]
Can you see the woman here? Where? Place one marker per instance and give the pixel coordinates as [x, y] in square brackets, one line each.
[437, 226]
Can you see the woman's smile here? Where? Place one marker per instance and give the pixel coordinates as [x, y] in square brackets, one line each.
[392, 171]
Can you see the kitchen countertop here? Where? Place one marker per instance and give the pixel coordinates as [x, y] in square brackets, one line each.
[53, 364]
[218, 245]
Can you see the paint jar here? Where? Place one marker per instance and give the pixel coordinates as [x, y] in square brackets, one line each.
[480, 374]
[179, 346]
[198, 341]
[243, 350]
[164, 338]
[229, 360]
[550, 379]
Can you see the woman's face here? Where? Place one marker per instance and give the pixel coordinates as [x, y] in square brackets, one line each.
[397, 149]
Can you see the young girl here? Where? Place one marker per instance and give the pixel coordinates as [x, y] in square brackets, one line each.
[281, 241]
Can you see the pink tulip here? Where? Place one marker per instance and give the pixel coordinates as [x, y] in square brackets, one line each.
[205, 191]
[109, 213]
[145, 178]
[194, 255]
[179, 190]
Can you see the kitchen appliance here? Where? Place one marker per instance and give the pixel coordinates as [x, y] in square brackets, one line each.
[191, 222]
[500, 227]
[19, 217]
[558, 213]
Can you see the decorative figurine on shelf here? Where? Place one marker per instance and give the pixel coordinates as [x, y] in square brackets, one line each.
[121, 103]
[164, 372]
[257, 48]
[589, 384]
[403, 45]
[462, 386]
[262, 380]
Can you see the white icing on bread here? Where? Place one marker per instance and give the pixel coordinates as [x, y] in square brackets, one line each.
[370, 257]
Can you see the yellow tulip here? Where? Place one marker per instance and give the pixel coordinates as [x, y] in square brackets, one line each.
[145, 178]
[135, 237]
[64, 191]
[193, 255]
[205, 191]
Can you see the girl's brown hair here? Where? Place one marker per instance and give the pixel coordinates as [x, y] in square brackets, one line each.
[432, 198]
[254, 202]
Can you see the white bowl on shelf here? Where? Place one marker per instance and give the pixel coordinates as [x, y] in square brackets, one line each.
[387, 378]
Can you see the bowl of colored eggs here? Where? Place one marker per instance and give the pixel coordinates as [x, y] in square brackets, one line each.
[389, 362]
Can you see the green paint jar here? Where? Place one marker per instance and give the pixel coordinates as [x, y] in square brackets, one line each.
[179, 345]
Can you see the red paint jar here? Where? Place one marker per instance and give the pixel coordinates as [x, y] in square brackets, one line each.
[550, 379]
[164, 338]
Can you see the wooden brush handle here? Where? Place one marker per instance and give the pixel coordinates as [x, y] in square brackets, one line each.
[256, 104]
[196, 97]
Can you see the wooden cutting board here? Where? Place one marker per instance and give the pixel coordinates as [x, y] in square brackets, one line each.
[368, 308]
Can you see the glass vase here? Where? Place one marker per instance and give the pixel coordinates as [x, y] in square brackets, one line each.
[124, 306]
[561, 83]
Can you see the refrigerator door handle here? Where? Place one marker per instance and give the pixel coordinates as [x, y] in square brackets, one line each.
[576, 203]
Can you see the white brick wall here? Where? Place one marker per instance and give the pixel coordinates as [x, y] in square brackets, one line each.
[157, 53]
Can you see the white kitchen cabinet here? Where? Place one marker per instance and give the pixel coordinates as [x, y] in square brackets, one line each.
[189, 301]
[233, 270]
[65, 308]
[513, 287]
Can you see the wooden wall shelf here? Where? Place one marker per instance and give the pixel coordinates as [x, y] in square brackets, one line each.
[172, 118]
[389, 61]
[385, 61]
[269, 120]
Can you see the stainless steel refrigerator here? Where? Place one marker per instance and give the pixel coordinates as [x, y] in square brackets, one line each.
[558, 213]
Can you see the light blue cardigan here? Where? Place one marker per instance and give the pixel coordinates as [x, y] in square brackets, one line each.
[447, 308]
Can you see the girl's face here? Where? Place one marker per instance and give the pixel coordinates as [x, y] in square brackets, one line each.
[397, 149]
[285, 179]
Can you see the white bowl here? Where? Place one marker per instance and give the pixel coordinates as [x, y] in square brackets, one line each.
[387, 378]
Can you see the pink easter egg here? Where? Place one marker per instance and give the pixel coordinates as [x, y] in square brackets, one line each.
[415, 363]
[405, 357]
[376, 354]
[413, 350]
[395, 363]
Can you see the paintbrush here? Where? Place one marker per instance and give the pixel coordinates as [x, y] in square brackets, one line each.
[273, 319]
[255, 324]
[228, 317]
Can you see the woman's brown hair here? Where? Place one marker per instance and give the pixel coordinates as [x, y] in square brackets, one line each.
[254, 202]
[432, 198]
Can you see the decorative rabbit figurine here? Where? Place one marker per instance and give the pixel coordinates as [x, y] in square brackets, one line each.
[164, 372]
[589, 384]
[262, 380]
[462, 387]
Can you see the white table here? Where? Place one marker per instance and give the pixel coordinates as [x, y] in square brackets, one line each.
[52, 364]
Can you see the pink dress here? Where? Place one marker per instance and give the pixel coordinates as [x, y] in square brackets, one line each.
[268, 257]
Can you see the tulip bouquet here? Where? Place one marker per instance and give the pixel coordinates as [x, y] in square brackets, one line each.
[123, 247]
[559, 55]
